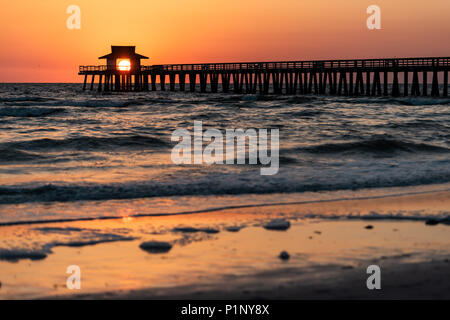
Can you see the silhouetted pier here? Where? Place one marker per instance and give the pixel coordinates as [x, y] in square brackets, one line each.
[369, 77]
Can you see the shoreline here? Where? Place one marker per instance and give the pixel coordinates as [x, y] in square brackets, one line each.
[238, 202]
[329, 253]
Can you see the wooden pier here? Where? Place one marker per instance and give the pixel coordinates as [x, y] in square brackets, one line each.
[364, 77]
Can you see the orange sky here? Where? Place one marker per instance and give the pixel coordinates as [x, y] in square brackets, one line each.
[36, 45]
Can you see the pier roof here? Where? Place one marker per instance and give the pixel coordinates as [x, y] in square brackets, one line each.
[122, 52]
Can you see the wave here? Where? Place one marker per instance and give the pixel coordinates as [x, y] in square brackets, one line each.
[426, 101]
[74, 103]
[84, 143]
[203, 186]
[25, 98]
[28, 111]
[416, 124]
[303, 99]
[307, 113]
[409, 101]
[8, 155]
[89, 103]
[376, 146]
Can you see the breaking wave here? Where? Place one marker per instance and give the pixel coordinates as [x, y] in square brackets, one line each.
[286, 182]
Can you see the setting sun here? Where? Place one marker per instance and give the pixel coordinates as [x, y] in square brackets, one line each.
[124, 65]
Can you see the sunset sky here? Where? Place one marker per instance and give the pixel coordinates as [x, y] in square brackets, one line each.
[36, 45]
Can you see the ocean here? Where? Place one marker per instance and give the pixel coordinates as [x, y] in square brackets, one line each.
[62, 149]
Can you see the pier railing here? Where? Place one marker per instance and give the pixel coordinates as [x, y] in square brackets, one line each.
[92, 68]
[288, 65]
[315, 64]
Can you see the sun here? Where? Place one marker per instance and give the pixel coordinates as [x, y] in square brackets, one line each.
[124, 65]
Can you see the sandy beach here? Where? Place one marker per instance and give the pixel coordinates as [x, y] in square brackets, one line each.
[229, 254]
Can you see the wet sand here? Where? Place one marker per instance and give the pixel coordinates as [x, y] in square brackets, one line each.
[208, 259]
[400, 281]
